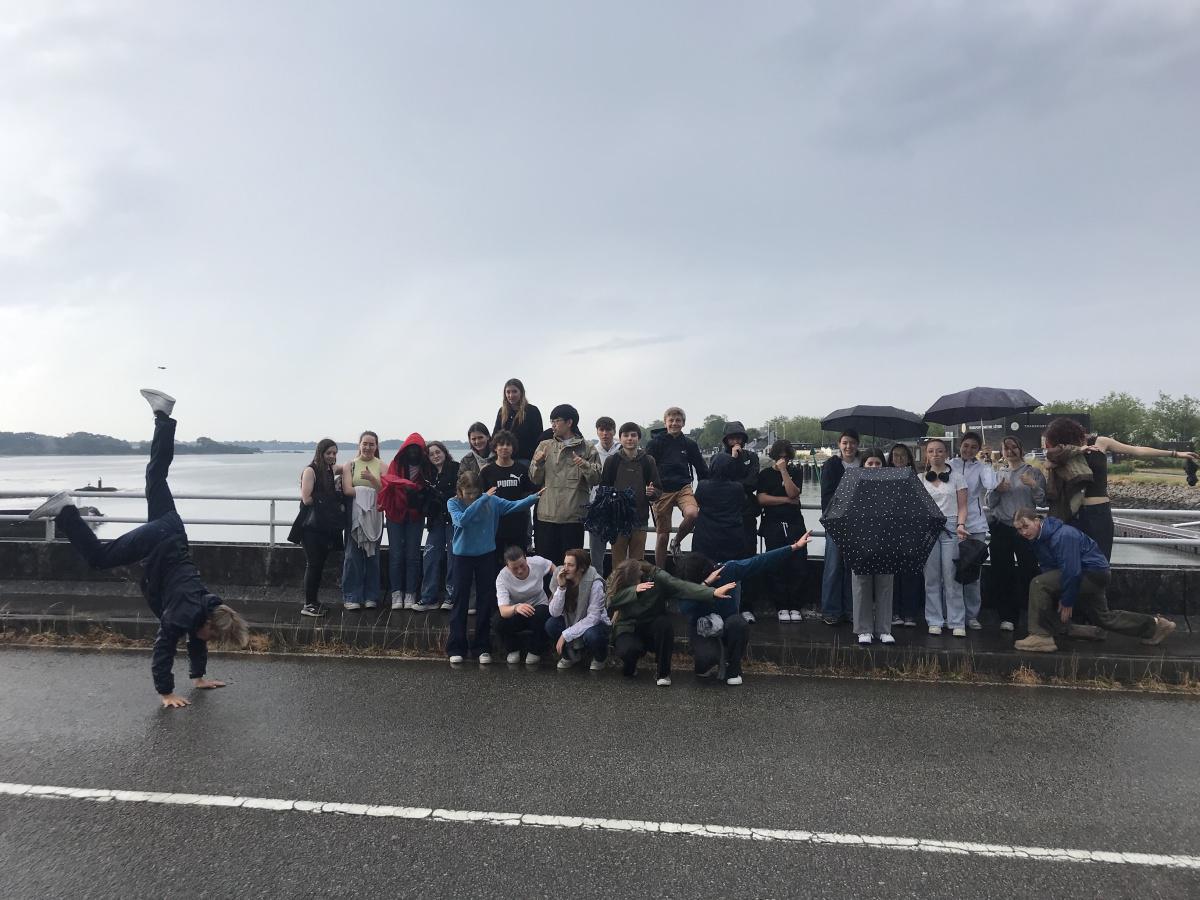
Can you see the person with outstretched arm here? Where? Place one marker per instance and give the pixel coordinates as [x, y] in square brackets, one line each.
[171, 582]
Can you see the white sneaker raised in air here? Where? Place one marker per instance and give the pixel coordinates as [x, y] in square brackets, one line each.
[665, 681]
[513, 658]
[53, 506]
[159, 402]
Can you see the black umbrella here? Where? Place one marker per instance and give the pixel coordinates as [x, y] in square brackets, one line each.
[878, 421]
[979, 403]
[883, 521]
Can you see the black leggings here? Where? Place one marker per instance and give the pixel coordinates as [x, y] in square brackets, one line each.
[1014, 566]
[1097, 523]
[317, 548]
[657, 635]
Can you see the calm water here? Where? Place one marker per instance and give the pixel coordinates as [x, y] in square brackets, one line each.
[271, 473]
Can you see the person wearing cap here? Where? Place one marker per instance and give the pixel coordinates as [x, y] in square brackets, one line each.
[567, 467]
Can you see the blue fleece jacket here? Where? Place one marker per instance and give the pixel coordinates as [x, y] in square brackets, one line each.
[735, 570]
[1069, 550]
[475, 525]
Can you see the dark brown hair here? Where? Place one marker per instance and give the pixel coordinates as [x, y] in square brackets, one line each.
[1064, 431]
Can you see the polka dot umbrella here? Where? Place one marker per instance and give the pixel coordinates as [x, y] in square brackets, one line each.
[883, 521]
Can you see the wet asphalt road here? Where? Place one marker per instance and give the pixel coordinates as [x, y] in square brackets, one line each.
[1040, 767]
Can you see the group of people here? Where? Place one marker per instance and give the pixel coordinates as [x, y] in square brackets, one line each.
[479, 542]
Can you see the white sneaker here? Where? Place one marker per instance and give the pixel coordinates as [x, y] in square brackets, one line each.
[485, 659]
[425, 607]
[749, 617]
[1007, 626]
[351, 606]
[785, 616]
[974, 625]
[795, 615]
[446, 604]
[959, 632]
[514, 657]
[886, 639]
[532, 659]
[159, 402]
[397, 600]
[53, 506]
[565, 663]
[410, 601]
[596, 666]
[896, 620]
[935, 629]
[471, 611]
[456, 660]
[664, 682]
[371, 604]
[864, 638]
[734, 681]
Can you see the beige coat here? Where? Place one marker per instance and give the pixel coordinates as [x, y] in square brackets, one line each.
[567, 484]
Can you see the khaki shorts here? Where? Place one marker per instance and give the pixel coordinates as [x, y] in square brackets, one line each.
[665, 505]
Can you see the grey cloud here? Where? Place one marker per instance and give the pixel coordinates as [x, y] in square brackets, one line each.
[622, 343]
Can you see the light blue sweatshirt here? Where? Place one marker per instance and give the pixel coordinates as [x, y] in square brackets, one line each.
[475, 526]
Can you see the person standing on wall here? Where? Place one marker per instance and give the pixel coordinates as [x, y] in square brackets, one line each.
[521, 419]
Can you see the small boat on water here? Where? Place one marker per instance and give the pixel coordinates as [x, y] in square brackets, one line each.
[99, 487]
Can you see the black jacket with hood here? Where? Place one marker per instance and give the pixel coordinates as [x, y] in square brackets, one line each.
[720, 534]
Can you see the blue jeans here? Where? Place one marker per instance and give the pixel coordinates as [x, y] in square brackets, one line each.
[439, 555]
[404, 555]
[360, 574]
[595, 639]
[944, 595]
[836, 600]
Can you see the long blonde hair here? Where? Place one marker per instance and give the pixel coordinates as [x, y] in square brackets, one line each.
[519, 415]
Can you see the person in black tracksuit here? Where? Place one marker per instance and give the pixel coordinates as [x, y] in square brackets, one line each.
[735, 443]
[719, 533]
[170, 582]
[782, 523]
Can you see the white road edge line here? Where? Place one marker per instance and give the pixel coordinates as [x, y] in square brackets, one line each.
[531, 820]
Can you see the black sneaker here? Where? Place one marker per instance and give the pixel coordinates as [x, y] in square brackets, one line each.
[316, 610]
[831, 620]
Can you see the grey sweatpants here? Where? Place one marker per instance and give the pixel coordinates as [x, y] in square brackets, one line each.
[872, 595]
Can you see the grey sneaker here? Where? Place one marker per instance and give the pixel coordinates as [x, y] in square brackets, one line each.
[425, 607]
[485, 659]
[565, 663]
[1162, 628]
[974, 625]
[513, 658]
[446, 604]
[596, 666]
[53, 506]
[159, 402]
[532, 659]
[312, 609]
[351, 606]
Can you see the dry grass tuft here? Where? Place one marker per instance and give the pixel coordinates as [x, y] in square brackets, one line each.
[1026, 676]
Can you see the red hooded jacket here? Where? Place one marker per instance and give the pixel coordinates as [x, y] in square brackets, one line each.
[401, 498]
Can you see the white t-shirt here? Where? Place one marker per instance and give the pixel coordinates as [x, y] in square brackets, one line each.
[510, 590]
[945, 494]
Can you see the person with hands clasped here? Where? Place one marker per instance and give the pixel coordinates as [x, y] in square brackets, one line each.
[476, 516]
[566, 467]
[578, 620]
[1014, 564]
[362, 478]
[523, 604]
[979, 477]
[943, 594]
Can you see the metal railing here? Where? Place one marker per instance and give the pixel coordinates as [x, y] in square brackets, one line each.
[272, 523]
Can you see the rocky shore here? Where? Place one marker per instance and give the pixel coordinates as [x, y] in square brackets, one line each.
[1137, 495]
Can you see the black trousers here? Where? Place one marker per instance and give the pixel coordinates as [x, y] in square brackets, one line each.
[1097, 523]
[553, 539]
[657, 635]
[317, 548]
[785, 583]
[1014, 566]
[725, 651]
[528, 629]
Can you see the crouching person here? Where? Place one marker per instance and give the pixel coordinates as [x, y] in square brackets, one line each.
[719, 634]
[638, 594]
[1074, 576]
[524, 604]
[578, 620]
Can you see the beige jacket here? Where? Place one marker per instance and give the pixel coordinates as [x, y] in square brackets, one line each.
[567, 484]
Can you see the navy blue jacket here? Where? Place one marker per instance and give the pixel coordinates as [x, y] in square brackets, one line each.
[176, 595]
[719, 533]
[1070, 551]
[676, 457]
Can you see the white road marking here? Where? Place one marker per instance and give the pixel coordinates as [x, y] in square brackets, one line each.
[531, 820]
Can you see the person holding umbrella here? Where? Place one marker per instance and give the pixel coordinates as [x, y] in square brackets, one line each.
[943, 594]
[908, 590]
[836, 602]
[980, 478]
[872, 594]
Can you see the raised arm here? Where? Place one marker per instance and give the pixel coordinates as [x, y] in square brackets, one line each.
[1112, 445]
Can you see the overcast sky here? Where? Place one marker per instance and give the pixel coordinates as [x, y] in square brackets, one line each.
[325, 217]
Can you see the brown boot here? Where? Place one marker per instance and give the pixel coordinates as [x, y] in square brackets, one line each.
[1162, 627]
[1036, 643]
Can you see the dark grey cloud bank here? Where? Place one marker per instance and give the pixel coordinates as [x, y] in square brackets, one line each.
[377, 212]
